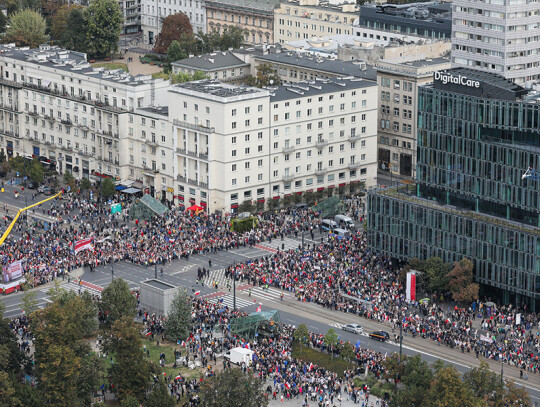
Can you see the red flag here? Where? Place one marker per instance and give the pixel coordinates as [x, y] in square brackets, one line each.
[83, 244]
[197, 292]
[259, 309]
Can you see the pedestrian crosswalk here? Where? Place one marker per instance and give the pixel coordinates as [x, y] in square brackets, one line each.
[228, 300]
[217, 276]
[79, 289]
[336, 325]
[287, 243]
[269, 294]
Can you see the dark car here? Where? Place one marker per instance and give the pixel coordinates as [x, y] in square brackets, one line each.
[380, 335]
[33, 185]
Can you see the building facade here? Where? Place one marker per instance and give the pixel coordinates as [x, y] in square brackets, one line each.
[399, 80]
[477, 135]
[255, 17]
[305, 19]
[155, 11]
[424, 19]
[499, 37]
[271, 143]
[55, 106]
[131, 9]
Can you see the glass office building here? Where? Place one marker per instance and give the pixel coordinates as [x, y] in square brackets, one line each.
[477, 135]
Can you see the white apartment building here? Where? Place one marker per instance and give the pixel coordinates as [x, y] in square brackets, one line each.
[235, 143]
[55, 106]
[131, 10]
[500, 36]
[153, 12]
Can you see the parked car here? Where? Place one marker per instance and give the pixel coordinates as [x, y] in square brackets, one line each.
[354, 328]
[380, 335]
[33, 185]
[45, 190]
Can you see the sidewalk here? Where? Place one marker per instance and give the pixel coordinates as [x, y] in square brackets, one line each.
[135, 67]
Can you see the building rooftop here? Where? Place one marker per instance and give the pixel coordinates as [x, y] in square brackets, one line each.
[162, 285]
[341, 7]
[157, 110]
[317, 87]
[213, 61]
[264, 5]
[357, 69]
[414, 65]
[428, 11]
[57, 58]
[216, 90]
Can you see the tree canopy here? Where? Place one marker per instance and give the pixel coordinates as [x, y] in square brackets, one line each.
[117, 301]
[232, 388]
[27, 28]
[178, 323]
[461, 281]
[74, 33]
[103, 23]
[172, 29]
[59, 20]
[266, 76]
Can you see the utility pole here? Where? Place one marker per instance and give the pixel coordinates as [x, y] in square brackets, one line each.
[155, 269]
[303, 240]
[112, 270]
[502, 366]
[400, 340]
[234, 286]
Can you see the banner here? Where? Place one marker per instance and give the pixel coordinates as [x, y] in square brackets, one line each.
[12, 271]
[83, 245]
[410, 294]
[486, 339]
[518, 319]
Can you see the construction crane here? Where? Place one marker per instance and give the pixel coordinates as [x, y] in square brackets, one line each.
[8, 230]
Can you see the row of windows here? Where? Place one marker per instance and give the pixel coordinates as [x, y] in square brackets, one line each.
[297, 184]
[398, 84]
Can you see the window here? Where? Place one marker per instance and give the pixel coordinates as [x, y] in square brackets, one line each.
[233, 168]
[233, 124]
[246, 110]
[363, 157]
[233, 181]
[247, 123]
[233, 112]
[233, 153]
[246, 137]
[246, 165]
[246, 150]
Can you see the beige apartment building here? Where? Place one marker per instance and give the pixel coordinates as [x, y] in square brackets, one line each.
[398, 80]
[256, 17]
[305, 19]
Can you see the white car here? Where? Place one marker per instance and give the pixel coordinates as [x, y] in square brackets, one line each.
[354, 328]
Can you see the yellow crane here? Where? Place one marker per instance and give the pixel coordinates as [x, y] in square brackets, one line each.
[8, 230]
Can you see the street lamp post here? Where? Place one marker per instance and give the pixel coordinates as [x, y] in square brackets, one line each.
[234, 286]
[112, 270]
[155, 269]
[502, 366]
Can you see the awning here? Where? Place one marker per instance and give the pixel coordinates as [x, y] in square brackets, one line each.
[131, 190]
[120, 187]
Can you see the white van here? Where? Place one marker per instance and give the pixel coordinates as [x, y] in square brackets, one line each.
[341, 233]
[329, 225]
[344, 221]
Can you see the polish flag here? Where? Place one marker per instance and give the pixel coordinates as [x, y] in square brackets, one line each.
[259, 309]
[83, 244]
[148, 334]
[287, 386]
[197, 293]
[410, 293]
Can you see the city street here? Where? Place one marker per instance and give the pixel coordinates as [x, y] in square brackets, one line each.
[318, 319]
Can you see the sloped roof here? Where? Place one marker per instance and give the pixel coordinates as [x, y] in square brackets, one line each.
[153, 204]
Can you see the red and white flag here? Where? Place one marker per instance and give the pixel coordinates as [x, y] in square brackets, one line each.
[197, 293]
[410, 293]
[259, 309]
[287, 386]
[83, 244]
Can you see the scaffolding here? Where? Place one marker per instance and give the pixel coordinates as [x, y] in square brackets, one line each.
[257, 324]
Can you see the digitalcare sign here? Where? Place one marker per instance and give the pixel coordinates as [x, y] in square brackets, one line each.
[448, 78]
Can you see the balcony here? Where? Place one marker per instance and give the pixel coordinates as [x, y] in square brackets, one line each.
[321, 143]
[11, 83]
[288, 149]
[14, 107]
[354, 137]
[321, 171]
[181, 178]
[183, 151]
[288, 178]
[151, 143]
[353, 166]
[32, 113]
[191, 126]
[197, 183]
[9, 133]
[67, 122]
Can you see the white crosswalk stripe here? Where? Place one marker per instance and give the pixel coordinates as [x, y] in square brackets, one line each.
[228, 300]
[76, 287]
[271, 293]
[336, 325]
[217, 276]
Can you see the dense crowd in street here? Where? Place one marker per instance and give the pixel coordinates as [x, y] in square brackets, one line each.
[342, 275]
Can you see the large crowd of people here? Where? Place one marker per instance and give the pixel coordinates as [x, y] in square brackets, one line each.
[340, 274]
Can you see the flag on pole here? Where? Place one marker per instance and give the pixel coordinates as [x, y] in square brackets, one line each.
[197, 292]
[259, 309]
[148, 334]
[83, 244]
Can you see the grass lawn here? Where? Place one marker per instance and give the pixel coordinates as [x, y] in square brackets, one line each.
[111, 65]
[168, 349]
[377, 387]
[322, 359]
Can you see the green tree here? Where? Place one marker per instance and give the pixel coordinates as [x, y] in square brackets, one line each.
[59, 20]
[107, 188]
[35, 171]
[246, 206]
[301, 335]
[266, 76]
[172, 29]
[86, 310]
[233, 388]
[331, 340]
[448, 390]
[30, 4]
[175, 52]
[347, 352]
[69, 180]
[437, 273]
[209, 42]
[416, 377]
[178, 324]
[8, 392]
[74, 33]
[2, 154]
[63, 360]
[129, 401]
[17, 164]
[29, 302]
[233, 37]
[186, 77]
[129, 373]
[27, 28]
[117, 301]
[159, 396]
[56, 291]
[3, 23]
[103, 21]
[85, 184]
